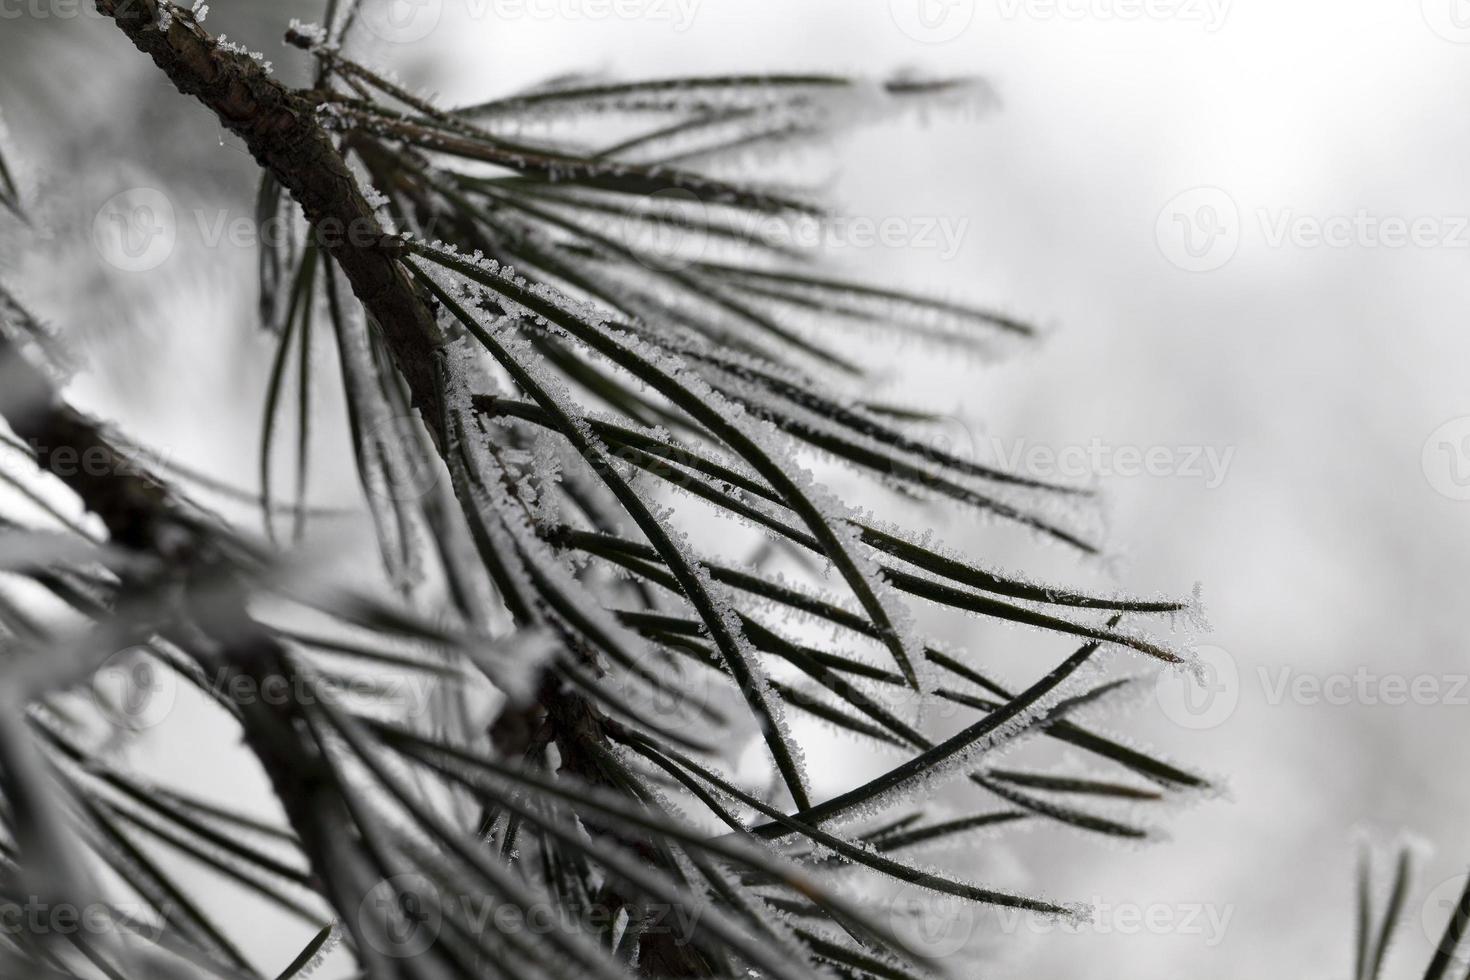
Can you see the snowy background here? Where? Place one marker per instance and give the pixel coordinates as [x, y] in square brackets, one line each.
[1246, 227]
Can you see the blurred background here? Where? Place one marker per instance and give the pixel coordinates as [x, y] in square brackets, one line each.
[1246, 228]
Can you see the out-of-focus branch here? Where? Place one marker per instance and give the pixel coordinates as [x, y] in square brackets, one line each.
[142, 514]
[135, 506]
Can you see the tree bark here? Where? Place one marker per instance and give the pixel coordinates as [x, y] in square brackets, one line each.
[142, 514]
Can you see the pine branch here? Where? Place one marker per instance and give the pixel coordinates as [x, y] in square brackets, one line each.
[443, 332]
[143, 514]
[282, 130]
